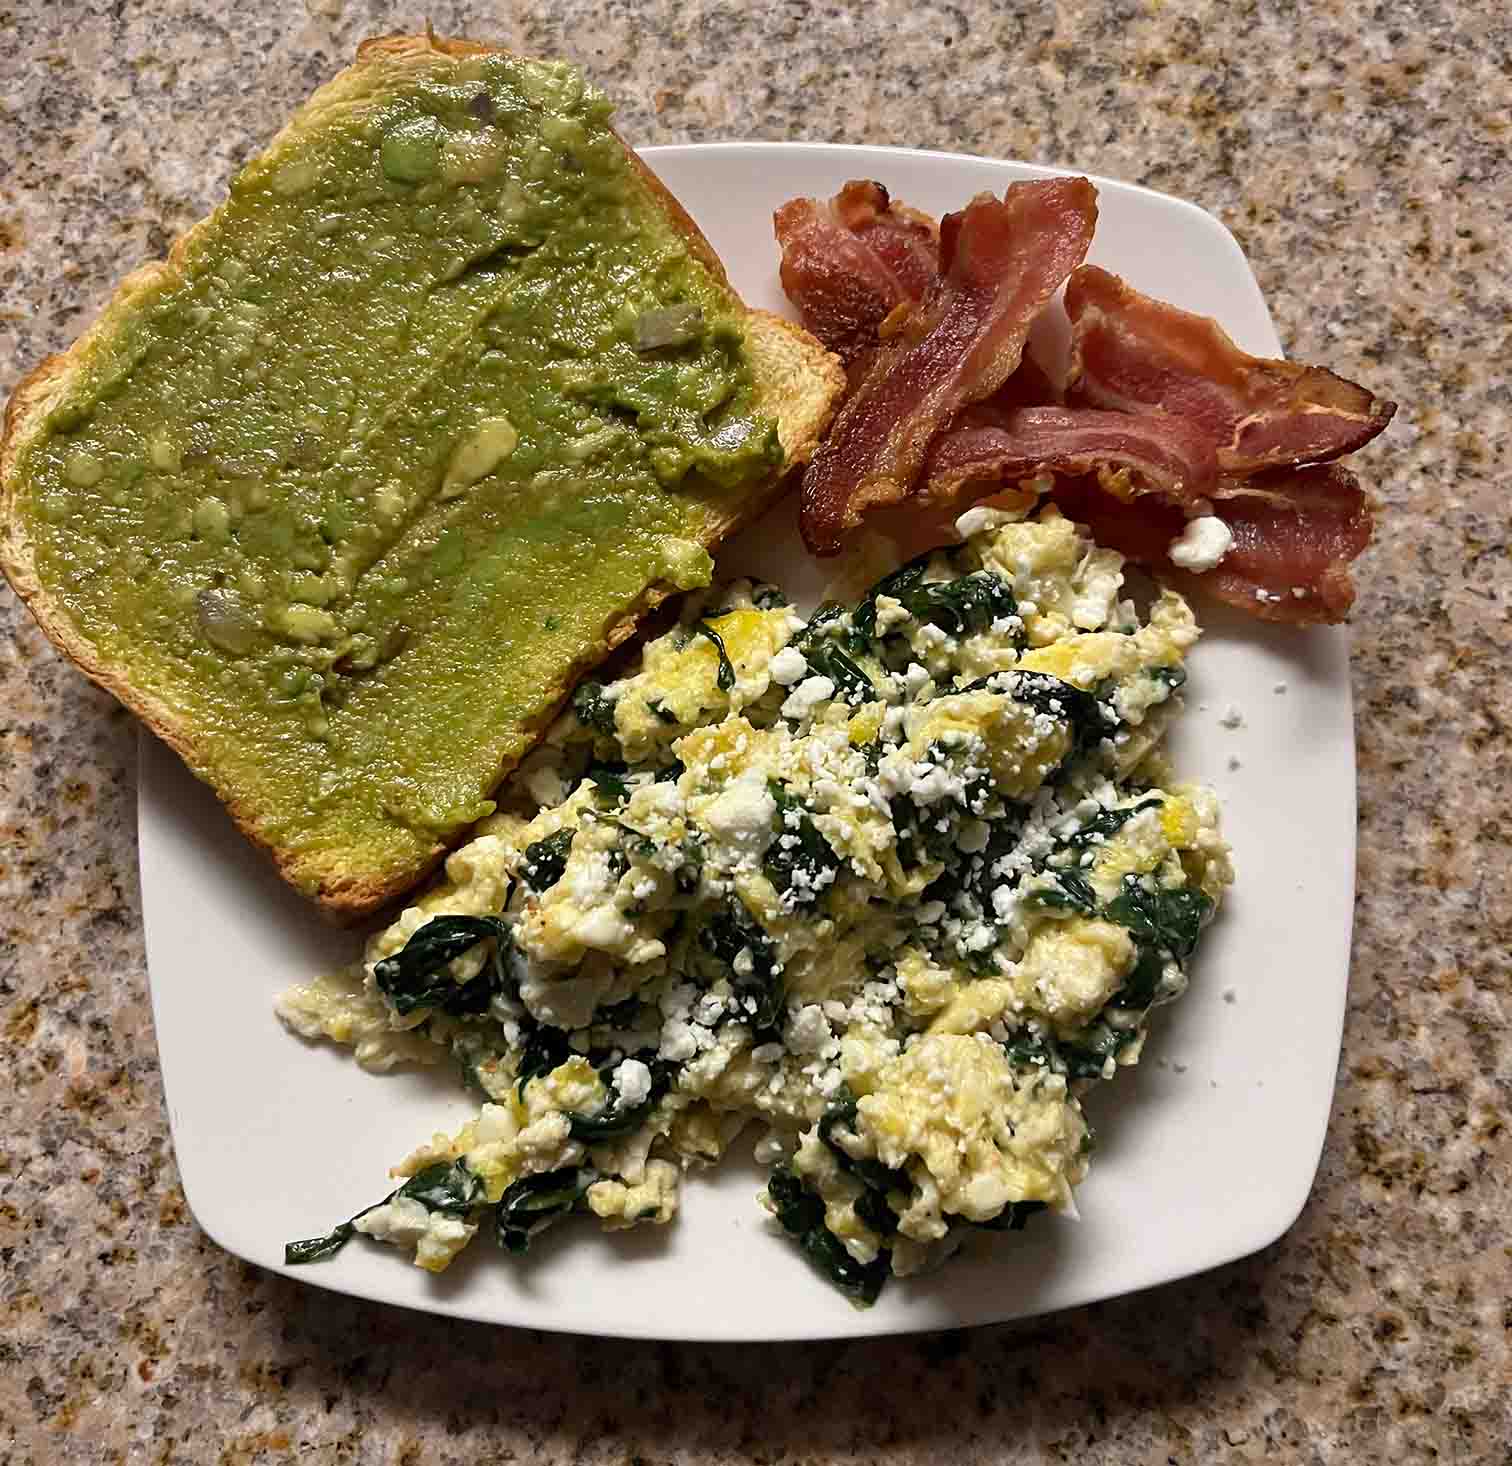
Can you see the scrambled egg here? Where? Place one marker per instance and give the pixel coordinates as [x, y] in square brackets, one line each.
[894, 882]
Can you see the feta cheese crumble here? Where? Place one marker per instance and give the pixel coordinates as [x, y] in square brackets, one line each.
[1202, 544]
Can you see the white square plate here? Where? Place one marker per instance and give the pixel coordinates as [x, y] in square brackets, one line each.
[1206, 1151]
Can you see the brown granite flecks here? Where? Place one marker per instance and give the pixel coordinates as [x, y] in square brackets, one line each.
[1360, 153]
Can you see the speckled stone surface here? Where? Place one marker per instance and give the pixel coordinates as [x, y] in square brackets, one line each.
[1359, 152]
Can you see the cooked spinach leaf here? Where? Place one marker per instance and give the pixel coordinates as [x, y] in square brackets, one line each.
[313, 1249]
[1086, 1056]
[546, 860]
[823, 628]
[895, 584]
[757, 989]
[852, 685]
[920, 838]
[871, 1206]
[617, 1118]
[841, 1115]
[726, 675]
[609, 781]
[417, 977]
[659, 710]
[1061, 700]
[592, 708]
[959, 607]
[533, 1201]
[1081, 1058]
[1168, 918]
[541, 1050]
[1145, 978]
[1073, 891]
[800, 861]
[802, 1215]
[1106, 823]
[447, 1187]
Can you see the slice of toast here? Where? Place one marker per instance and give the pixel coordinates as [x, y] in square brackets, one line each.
[343, 496]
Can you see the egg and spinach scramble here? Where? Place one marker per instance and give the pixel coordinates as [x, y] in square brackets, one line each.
[894, 883]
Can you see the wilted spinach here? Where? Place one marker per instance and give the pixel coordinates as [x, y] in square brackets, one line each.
[800, 854]
[609, 781]
[759, 989]
[823, 626]
[726, 675]
[593, 709]
[417, 976]
[617, 1118]
[449, 1187]
[530, 1203]
[1063, 701]
[1072, 891]
[802, 1215]
[542, 1049]
[1106, 823]
[1082, 1057]
[546, 860]
[841, 1115]
[1167, 918]
[919, 835]
[852, 685]
[959, 607]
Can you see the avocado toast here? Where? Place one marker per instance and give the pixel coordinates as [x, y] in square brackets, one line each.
[342, 496]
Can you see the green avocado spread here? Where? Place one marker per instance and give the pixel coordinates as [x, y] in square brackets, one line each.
[434, 398]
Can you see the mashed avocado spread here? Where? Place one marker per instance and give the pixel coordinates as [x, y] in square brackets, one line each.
[434, 397]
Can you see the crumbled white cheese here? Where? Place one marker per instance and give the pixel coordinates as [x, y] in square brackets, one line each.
[1202, 544]
[787, 667]
[980, 517]
[632, 1082]
[807, 696]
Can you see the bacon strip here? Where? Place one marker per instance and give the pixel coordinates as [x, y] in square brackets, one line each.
[1001, 261]
[1158, 453]
[1134, 354]
[1295, 533]
[906, 240]
[847, 265]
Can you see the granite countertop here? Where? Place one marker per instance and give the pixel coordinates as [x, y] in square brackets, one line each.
[1365, 170]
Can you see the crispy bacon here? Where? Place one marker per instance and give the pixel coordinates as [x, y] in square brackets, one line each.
[1134, 354]
[906, 240]
[1295, 533]
[847, 265]
[1001, 261]
[1158, 453]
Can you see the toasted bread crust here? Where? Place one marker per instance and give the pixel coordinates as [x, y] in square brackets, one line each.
[798, 383]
